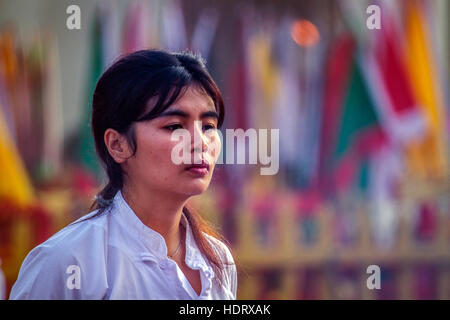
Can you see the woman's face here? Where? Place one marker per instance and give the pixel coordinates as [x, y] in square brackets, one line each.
[153, 166]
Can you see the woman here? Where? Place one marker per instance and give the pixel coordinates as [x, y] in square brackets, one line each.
[143, 242]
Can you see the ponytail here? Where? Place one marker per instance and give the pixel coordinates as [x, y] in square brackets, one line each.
[105, 197]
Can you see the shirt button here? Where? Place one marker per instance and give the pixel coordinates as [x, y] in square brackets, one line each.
[209, 274]
[163, 264]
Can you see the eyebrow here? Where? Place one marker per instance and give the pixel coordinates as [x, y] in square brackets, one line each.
[177, 112]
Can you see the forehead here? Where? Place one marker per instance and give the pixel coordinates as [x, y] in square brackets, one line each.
[193, 99]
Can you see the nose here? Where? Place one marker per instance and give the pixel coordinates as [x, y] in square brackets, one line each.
[200, 140]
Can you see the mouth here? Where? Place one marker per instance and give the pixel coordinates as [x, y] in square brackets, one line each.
[199, 169]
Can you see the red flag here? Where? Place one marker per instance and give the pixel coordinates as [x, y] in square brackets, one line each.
[337, 75]
[387, 77]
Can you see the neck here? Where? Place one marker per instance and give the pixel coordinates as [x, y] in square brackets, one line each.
[159, 211]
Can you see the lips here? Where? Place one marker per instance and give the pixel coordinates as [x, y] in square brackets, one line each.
[203, 165]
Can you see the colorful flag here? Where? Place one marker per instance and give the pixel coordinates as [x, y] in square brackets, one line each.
[386, 74]
[15, 185]
[311, 86]
[17, 109]
[386, 167]
[337, 73]
[173, 29]
[204, 32]
[111, 33]
[359, 130]
[137, 28]
[263, 77]
[286, 111]
[359, 117]
[427, 158]
[86, 153]
[52, 148]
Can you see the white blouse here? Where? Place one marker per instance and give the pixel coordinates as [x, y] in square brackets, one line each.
[116, 256]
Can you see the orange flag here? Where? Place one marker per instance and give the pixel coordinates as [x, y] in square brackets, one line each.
[14, 183]
[427, 157]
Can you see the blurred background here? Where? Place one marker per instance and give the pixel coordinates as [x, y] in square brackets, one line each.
[364, 124]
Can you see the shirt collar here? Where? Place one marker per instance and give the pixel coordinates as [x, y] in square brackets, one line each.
[153, 242]
[194, 258]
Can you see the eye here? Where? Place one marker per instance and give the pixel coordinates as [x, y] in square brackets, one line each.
[209, 127]
[173, 127]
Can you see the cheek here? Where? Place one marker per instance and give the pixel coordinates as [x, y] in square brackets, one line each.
[156, 155]
[214, 147]
[153, 154]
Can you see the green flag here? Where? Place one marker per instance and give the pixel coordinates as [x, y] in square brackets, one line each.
[86, 152]
[358, 133]
[358, 113]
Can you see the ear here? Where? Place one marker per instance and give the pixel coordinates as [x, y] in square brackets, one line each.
[117, 145]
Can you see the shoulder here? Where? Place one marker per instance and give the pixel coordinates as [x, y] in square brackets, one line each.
[78, 238]
[78, 249]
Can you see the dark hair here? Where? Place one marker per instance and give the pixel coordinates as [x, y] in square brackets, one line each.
[120, 99]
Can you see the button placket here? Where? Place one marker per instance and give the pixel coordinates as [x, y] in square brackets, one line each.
[209, 273]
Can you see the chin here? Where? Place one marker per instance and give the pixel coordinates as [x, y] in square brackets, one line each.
[196, 188]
